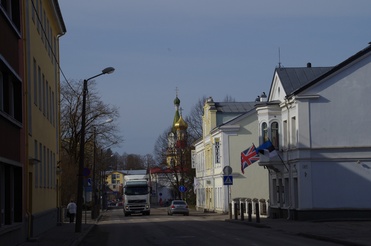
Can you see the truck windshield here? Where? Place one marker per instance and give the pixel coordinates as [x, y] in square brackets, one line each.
[139, 190]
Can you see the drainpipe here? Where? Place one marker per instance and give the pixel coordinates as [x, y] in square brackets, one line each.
[289, 169]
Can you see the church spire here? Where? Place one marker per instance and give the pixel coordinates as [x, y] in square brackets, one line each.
[177, 109]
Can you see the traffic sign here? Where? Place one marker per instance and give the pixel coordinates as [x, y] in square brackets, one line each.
[89, 181]
[182, 188]
[227, 170]
[228, 180]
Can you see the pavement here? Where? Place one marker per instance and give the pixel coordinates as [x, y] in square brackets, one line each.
[343, 232]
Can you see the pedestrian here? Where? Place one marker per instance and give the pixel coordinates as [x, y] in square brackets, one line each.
[71, 210]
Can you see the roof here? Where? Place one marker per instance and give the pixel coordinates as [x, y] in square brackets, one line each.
[234, 107]
[297, 77]
[129, 172]
[60, 17]
[333, 70]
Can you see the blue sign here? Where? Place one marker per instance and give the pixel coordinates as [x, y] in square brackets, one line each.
[89, 181]
[182, 188]
[228, 180]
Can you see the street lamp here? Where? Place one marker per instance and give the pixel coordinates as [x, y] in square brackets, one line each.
[80, 182]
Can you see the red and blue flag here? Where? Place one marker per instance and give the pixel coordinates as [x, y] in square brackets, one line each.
[248, 157]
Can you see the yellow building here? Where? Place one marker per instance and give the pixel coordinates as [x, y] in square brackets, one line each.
[43, 25]
[229, 128]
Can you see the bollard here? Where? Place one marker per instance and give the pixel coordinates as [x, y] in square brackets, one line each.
[235, 211]
[230, 211]
[242, 211]
[257, 213]
[249, 210]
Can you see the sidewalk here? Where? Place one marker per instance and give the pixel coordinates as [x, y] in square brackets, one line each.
[344, 232]
[349, 232]
[64, 234]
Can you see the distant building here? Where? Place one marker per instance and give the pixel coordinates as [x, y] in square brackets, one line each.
[171, 181]
[115, 180]
[317, 118]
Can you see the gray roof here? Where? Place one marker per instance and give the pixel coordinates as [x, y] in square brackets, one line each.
[234, 107]
[335, 69]
[297, 77]
[129, 172]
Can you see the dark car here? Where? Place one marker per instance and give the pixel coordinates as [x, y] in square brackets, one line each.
[178, 207]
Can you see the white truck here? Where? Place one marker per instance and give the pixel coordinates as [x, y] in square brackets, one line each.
[136, 195]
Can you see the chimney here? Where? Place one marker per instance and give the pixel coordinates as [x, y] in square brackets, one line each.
[309, 64]
[263, 97]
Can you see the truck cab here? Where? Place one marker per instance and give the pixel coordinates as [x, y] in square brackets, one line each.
[136, 197]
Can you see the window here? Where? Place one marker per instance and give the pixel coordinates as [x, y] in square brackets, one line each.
[52, 110]
[113, 178]
[37, 12]
[293, 132]
[45, 166]
[11, 95]
[40, 165]
[285, 133]
[11, 98]
[39, 83]
[275, 135]
[36, 153]
[43, 95]
[265, 132]
[10, 194]
[47, 99]
[34, 82]
[12, 10]
[48, 174]
[54, 171]
[33, 14]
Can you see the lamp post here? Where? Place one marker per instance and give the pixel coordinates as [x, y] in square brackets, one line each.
[80, 182]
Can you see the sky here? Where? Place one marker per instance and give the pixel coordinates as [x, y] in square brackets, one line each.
[199, 48]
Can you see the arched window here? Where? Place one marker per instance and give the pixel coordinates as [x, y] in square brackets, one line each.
[265, 136]
[274, 135]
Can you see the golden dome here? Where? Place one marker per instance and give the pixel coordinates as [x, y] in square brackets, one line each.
[181, 124]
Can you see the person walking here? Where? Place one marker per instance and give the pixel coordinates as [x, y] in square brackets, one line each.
[71, 210]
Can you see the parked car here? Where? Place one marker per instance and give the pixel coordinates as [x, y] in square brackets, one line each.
[178, 207]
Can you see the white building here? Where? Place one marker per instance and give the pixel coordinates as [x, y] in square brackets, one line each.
[318, 120]
[228, 129]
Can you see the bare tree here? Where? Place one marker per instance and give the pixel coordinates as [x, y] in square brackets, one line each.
[100, 130]
[194, 120]
[161, 147]
[229, 98]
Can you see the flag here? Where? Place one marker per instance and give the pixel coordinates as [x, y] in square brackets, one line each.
[248, 157]
[267, 149]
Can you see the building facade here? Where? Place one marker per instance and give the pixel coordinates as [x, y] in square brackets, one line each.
[317, 120]
[228, 129]
[12, 124]
[43, 26]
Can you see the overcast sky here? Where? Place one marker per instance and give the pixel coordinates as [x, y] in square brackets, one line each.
[202, 47]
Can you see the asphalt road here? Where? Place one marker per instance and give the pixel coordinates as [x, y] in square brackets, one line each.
[197, 229]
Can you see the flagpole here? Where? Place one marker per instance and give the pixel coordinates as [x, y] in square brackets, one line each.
[282, 161]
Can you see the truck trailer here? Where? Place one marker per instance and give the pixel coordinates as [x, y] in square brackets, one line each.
[136, 195]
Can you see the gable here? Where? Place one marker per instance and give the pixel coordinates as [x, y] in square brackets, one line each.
[287, 80]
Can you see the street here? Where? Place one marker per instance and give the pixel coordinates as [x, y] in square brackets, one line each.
[197, 229]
